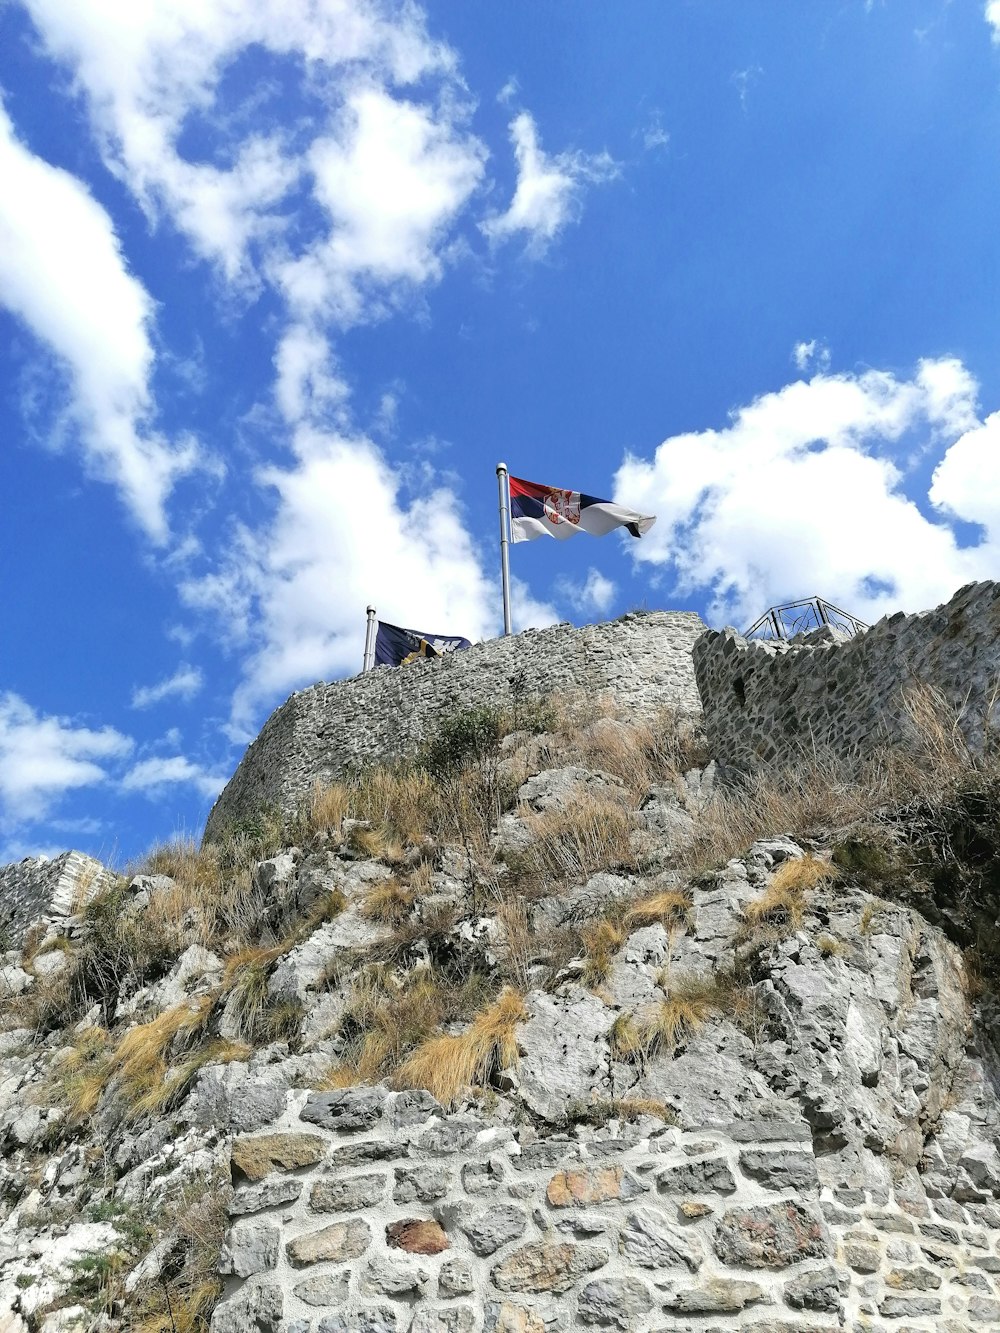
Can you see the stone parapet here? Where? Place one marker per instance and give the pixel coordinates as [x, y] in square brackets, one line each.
[768, 703]
[642, 661]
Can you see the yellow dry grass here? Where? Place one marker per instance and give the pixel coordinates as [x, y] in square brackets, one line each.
[446, 1066]
[389, 902]
[671, 907]
[601, 941]
[589, 834]
[783, 902]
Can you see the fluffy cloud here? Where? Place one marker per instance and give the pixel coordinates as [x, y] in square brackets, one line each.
[147, 68]
[183, 684]
[593, 596]
[993, 17]
[802, 493]
[43, 757]
[343, 535]
[62, 273]
[391, 177]
[152, 776]
[547, 195]
[812, 353]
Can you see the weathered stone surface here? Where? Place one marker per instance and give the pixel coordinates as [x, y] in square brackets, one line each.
[257, 1157]
[341, 1194]
[716, 1296]
[455, 1278]
[391, 1275]
[344, 1108]
[614, 1302]
[547, 1267]
[914, 1307]
[506, 1317]
[489, 1230]
[325, 1288]
[564, 1051]
[269, 1194]
[451, 1319]
[251, 1247]
[256, 1306]
[819, 1290]
[416, 1236]
[421, 1183]
[573, 1188]
[712, 1176]
[780, 1169]
[771, 1236]
[336, 1243]
[650, 1239]
[370, 1319]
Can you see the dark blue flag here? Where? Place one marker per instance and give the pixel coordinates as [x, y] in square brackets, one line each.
[397, 647]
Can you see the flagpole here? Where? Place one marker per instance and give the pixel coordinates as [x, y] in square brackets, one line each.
[370, 641]
[503, 483]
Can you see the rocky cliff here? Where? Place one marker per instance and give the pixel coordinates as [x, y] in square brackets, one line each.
[546, 1031]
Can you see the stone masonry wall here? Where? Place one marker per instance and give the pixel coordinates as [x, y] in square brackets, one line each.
[643, 660]
[765, 703]
[367, 1210]
[38, 887]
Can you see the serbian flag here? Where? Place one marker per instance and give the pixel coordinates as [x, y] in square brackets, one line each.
[395, 646]
[547, 511]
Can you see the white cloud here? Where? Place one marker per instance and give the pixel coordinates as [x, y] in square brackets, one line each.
[509, 91]
[391, 177]
[308, 383]
[594, 595]
[43, 757]
[147, 68]
[548, 191]
[152, 776]
[804, 493]
[813, 353]
[342, 536]
[653, 134]
[62, 272]
[183, 684]
[993, 17]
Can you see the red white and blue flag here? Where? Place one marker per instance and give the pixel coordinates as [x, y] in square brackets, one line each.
[547, 511]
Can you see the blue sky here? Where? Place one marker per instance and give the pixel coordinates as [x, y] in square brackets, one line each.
[280, 284]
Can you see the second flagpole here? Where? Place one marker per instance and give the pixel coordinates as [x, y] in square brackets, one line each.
[503, 484]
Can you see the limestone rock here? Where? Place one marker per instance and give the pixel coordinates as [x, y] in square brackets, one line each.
[335, 1243]
[547, 1266]
[651, 1240]
[771, 1235]
[258, 1156]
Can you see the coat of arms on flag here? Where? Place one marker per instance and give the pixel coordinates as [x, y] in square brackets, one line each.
[395, 646]
[549, 511]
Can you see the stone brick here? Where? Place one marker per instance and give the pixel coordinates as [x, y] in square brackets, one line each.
[416, 1236]
[335, 1244]
[344, 1108]
[548, 1267]
[452, 1319]
[771, 1236]
[913, 1307]
[455, 1278]
[780, 1170]
[614, 1302]
[819, 1290]
[325, 1288]
[712, 1176]
[268, 1194]
[346, 1194]
[489, 1230]
[422, 1184]
[251, 1247]
[258, 1156]
[716, 1296]
[650, 1239]
[574, 1187]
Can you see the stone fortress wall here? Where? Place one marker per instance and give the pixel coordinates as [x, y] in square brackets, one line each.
[642, 660]
[767, 702]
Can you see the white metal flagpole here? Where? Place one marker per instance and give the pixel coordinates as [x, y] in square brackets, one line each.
[370, 640]
[504, 485]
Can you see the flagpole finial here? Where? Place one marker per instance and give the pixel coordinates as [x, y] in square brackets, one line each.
[501, 467]
[370, 609]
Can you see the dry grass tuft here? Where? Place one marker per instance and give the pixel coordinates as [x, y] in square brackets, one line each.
[671, 908]
[572, 843]
[389, 903]
[829, 947]
[447, 1066]
[782, 904]
[601, 941]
